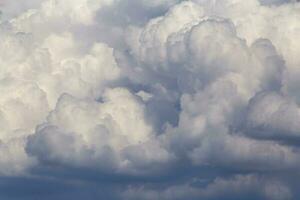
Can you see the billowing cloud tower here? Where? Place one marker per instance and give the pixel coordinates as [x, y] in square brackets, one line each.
[146, 100]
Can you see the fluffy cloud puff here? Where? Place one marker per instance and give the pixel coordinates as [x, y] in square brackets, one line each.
[112, 135]
[170, 100]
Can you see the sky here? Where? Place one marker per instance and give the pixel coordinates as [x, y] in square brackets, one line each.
[150, 99]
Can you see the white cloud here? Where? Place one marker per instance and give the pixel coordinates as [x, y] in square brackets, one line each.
[91, 134]
[136, 89]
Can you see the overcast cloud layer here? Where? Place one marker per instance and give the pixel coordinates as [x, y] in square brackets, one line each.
[150, 99]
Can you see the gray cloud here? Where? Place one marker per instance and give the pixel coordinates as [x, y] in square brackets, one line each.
[162, 99]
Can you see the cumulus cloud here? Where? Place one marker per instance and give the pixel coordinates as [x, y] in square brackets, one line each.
[111, 135]
[163, 99]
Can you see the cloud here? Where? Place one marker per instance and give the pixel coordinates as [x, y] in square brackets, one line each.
[274, 116]
[111, 135]
[234, 188]
[162, 99]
